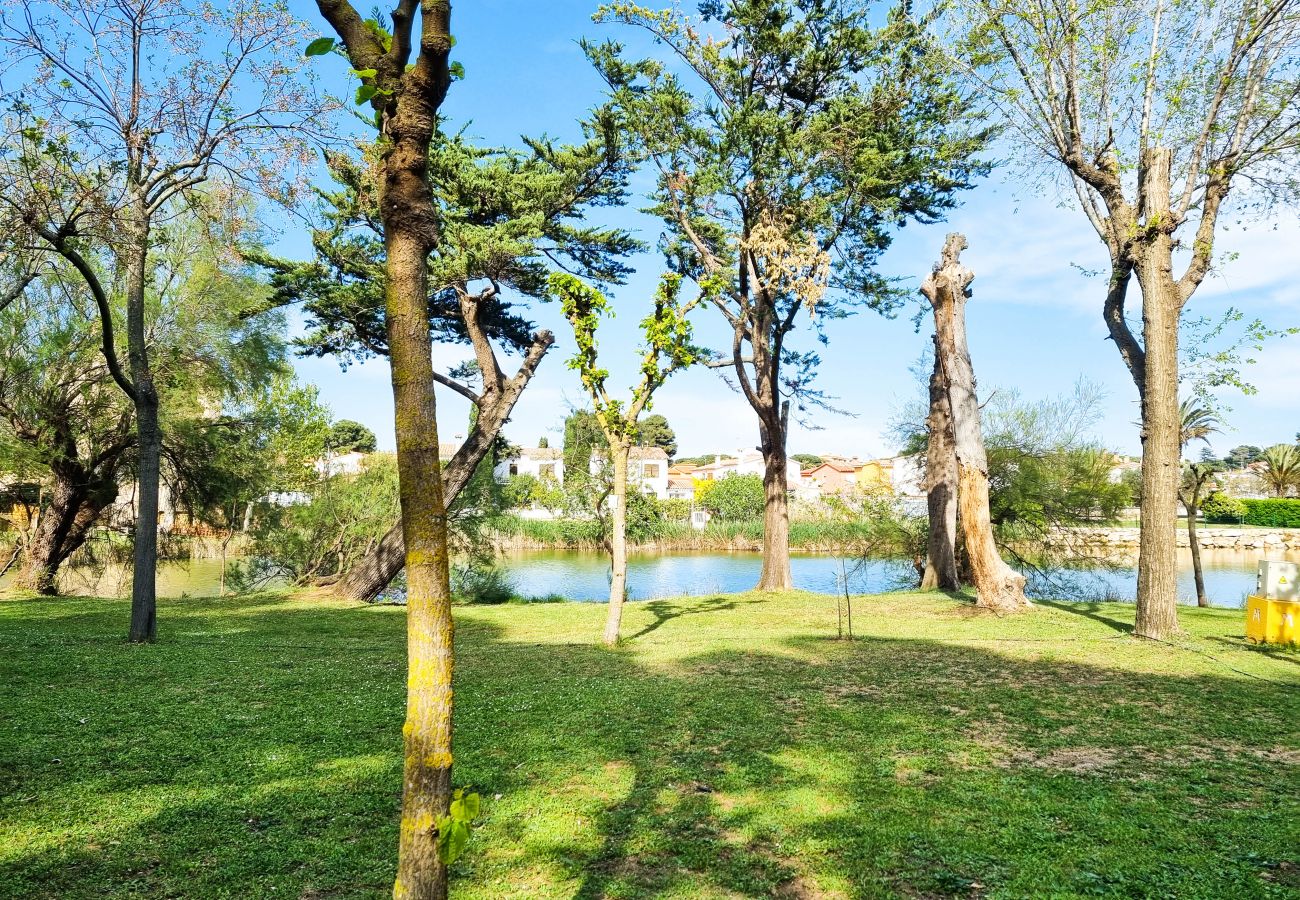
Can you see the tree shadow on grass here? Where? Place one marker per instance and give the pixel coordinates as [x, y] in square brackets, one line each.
[270, 766]
[1281, 654]
[666, 610]
[1089, 610]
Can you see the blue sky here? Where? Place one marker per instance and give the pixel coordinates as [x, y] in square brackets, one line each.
[1034, 323]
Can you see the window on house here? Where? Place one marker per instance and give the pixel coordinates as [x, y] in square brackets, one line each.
[514, 469]
[650, 470]
[547, 471]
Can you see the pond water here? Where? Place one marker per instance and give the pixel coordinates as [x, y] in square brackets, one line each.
[1229, 575]
[576, 575]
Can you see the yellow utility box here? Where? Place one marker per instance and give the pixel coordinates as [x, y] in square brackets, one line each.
[1274, 611]
[1272, 621]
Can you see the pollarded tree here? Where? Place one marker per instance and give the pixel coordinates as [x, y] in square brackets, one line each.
[1159, 114]
[127, 107]
[789, 137]
[507, 219]
[667, 348]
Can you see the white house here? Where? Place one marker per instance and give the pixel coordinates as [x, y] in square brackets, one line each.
[647, 467]
[539, 462]
[744, 462]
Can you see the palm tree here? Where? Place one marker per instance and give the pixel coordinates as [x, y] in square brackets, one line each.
[1198, 423]
[1281, 468]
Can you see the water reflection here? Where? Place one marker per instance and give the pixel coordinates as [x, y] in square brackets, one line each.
[575, 575]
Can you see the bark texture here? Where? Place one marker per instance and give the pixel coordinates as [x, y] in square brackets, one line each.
[76, 503]
[941, 488]
[999, 587]
[773, 418]
[1157, 588]
[408, 114]
[617, 543]
[149, 437]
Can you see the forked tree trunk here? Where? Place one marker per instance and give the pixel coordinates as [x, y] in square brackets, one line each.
[74, 508]
[1157, 587]
[410, 234]
[999, 587]
[941, 488]
[618, 453]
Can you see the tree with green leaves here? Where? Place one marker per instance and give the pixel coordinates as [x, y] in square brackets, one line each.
[126, 117]
[347, 436]
[405, 73]
[67, 423]
[496, 214]
[789, 138]
[1243, 455]
[668, 348]
[733, 498]
[507, 219]
[654, 431]
[1159, 116]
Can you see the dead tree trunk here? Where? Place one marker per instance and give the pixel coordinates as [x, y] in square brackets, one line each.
[941, 488]
[999, 587]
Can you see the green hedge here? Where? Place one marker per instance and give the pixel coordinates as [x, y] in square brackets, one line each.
[1274, 513]
[1220, 509]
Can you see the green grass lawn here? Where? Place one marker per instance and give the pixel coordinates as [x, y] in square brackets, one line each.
[732, 748]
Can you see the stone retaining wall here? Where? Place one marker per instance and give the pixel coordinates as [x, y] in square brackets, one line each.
[1209, 538]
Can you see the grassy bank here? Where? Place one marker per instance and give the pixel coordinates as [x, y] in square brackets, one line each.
[732, 748]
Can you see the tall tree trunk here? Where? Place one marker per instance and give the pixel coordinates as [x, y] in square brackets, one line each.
[377, 569]
[410, 234]
[144, 603]
[427, 778]
[618, 453]
[941, 488]
[999, 587]
[1194, 544]
[776, 501]
[1157, 587]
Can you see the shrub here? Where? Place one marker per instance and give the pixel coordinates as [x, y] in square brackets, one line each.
[1273, 513]
[476, 580]
[734, 498]
[675, 510]
[1221, 509]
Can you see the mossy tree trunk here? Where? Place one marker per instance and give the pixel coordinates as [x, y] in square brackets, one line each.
[407, 97]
